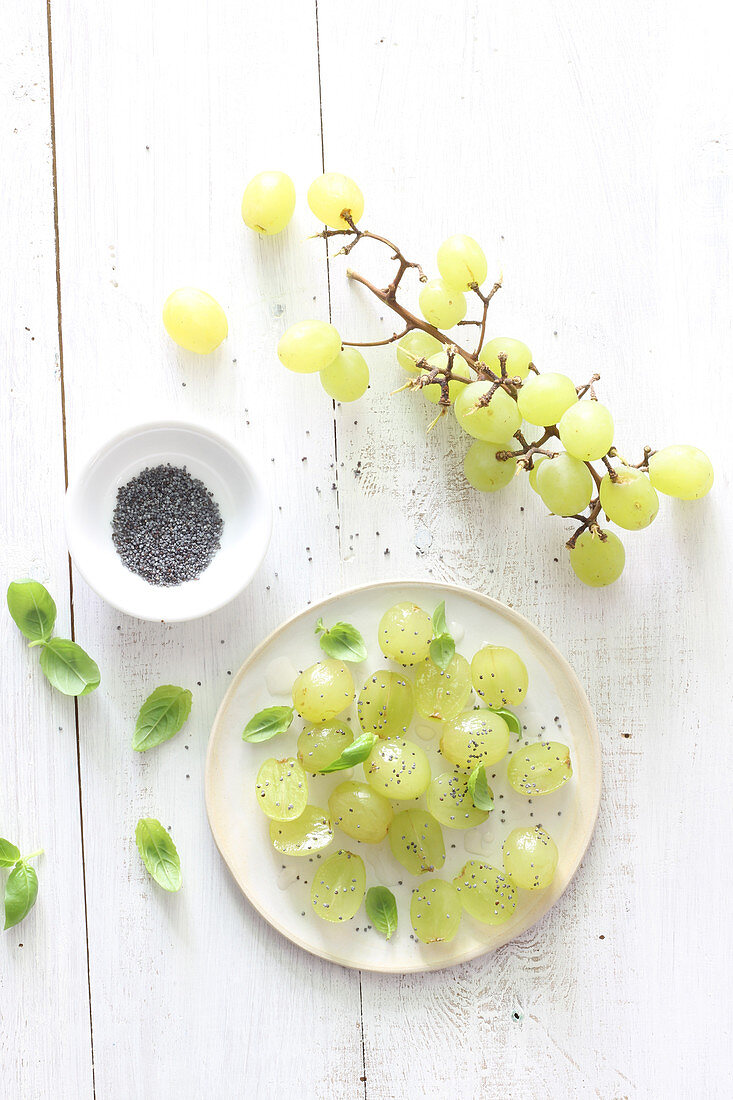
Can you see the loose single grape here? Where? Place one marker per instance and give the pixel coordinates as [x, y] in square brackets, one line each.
[435, 911]
[194, 320]
[496, 422]
[332, 196]
[346, 378]
[484, 471]
[598, 562]
[319, 746]
[385, 704]
[565, 485]
[405, 633]
[323, 691]
[308, 346]
[282, 789]
[450, 802]
[397, 769]
[461, 262]
[499, 676]
[486, 894]
[544, 398]
[681, 471]
[532, 475]
[416, 345]
[586, 430]
[441, 305]
[442, 693]
[416, 841]
[360, 812]
[338, 887]
[530, 858]
[630, 500]
[311, 832]
[518, 356]
[476, 737]
[540, 768]
[268, 202]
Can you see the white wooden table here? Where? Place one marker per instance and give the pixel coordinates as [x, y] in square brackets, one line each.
[589, 148]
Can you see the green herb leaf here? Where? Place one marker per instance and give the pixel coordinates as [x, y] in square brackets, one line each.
[158, 853]
[479, 789]
[381, 908]
[9, 854]
[440, 625]
[21, 891]
[32, 609]
[267, 723]
[68, 668]
[161, 716]
[342, 642]
[511, 719]
[442, 651]
[355, 753]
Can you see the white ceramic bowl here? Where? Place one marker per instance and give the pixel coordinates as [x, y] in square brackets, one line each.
[224, 469]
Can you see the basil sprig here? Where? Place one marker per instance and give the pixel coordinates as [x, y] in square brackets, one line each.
[443, 646]
[161, 716]
[355, 753]
[158, 853]
[481, 793]
[342, 641]
[381, 908]
[511, 720]
[21, 887]
[64, 663]
[268, 723]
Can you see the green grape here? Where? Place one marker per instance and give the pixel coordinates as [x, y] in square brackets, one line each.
[586, 430]
[434, 391]
[532, 475]
[630, 500]
[518, 356]
[435, 911]
[282, 789]
[268, 202]
[338, 886]
[360, 812]
[681, 471]
[476, 737]
[597, 562]
[540, 768]
[496, 422]
[308, 346]
[565, 485]
[484, 471]
[442, 693]
[385, 704]
[331, 196]
[499, 676]
[530, 858]
[308, 833]
[544, 398]
[323, 691]
[405, 633]
[194, 320]
[416, 841]
[347, 377]
[441, 305]
[486, 894]
[397, 769]
[461, 262]
[416, 345]
[319, 746]
[451, 804]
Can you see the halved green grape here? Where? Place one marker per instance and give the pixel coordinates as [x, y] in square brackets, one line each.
[540, 768]
[598, 562]
[681, 471]
[461, 262]
[499, 676]
[544, 398]
[441, 305]
[416, 841]
[385, 704]
[308, 346]
[530, 858]
[268, 202]
[416, 345]
[194, 320]
[476, 737]
[311, 832]
[484, 471]
[346, 378]
[450, 802]
[532, 476]
[331, 196]
[442, 693]
[486, 893]
[496, 422]
[435, 911]
[518, 356]
[405, 633]
[630, 500]
[323, 691]
[434, 391]
[320, 745]
[565, 485]
[338, 886]
[282, 789]
[360, 812]
[397, 769]
[586, 430]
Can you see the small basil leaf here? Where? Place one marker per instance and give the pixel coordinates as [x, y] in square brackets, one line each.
[479, 789]
[21, 891]
[440, 626]
[320, 627]
[442, 651]
[9, 854]
[355, 753]
[343, 642]
[158, 853]
[161, 716]
[68, 668]
[32, 609]
[511, 719]
[381, 908]
[267, 723]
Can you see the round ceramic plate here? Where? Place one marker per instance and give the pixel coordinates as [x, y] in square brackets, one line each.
[279, 886]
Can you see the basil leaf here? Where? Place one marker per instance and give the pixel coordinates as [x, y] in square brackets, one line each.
[32, 609]
[355, 753]
[511, 720]
[440, 626]
[481, 793]
[343, 642]
[161, 716]
[158, 853]
[9, 854]
[21, 891]
[381, 908]
[442, 651]
[68, 668]
[267, 723]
